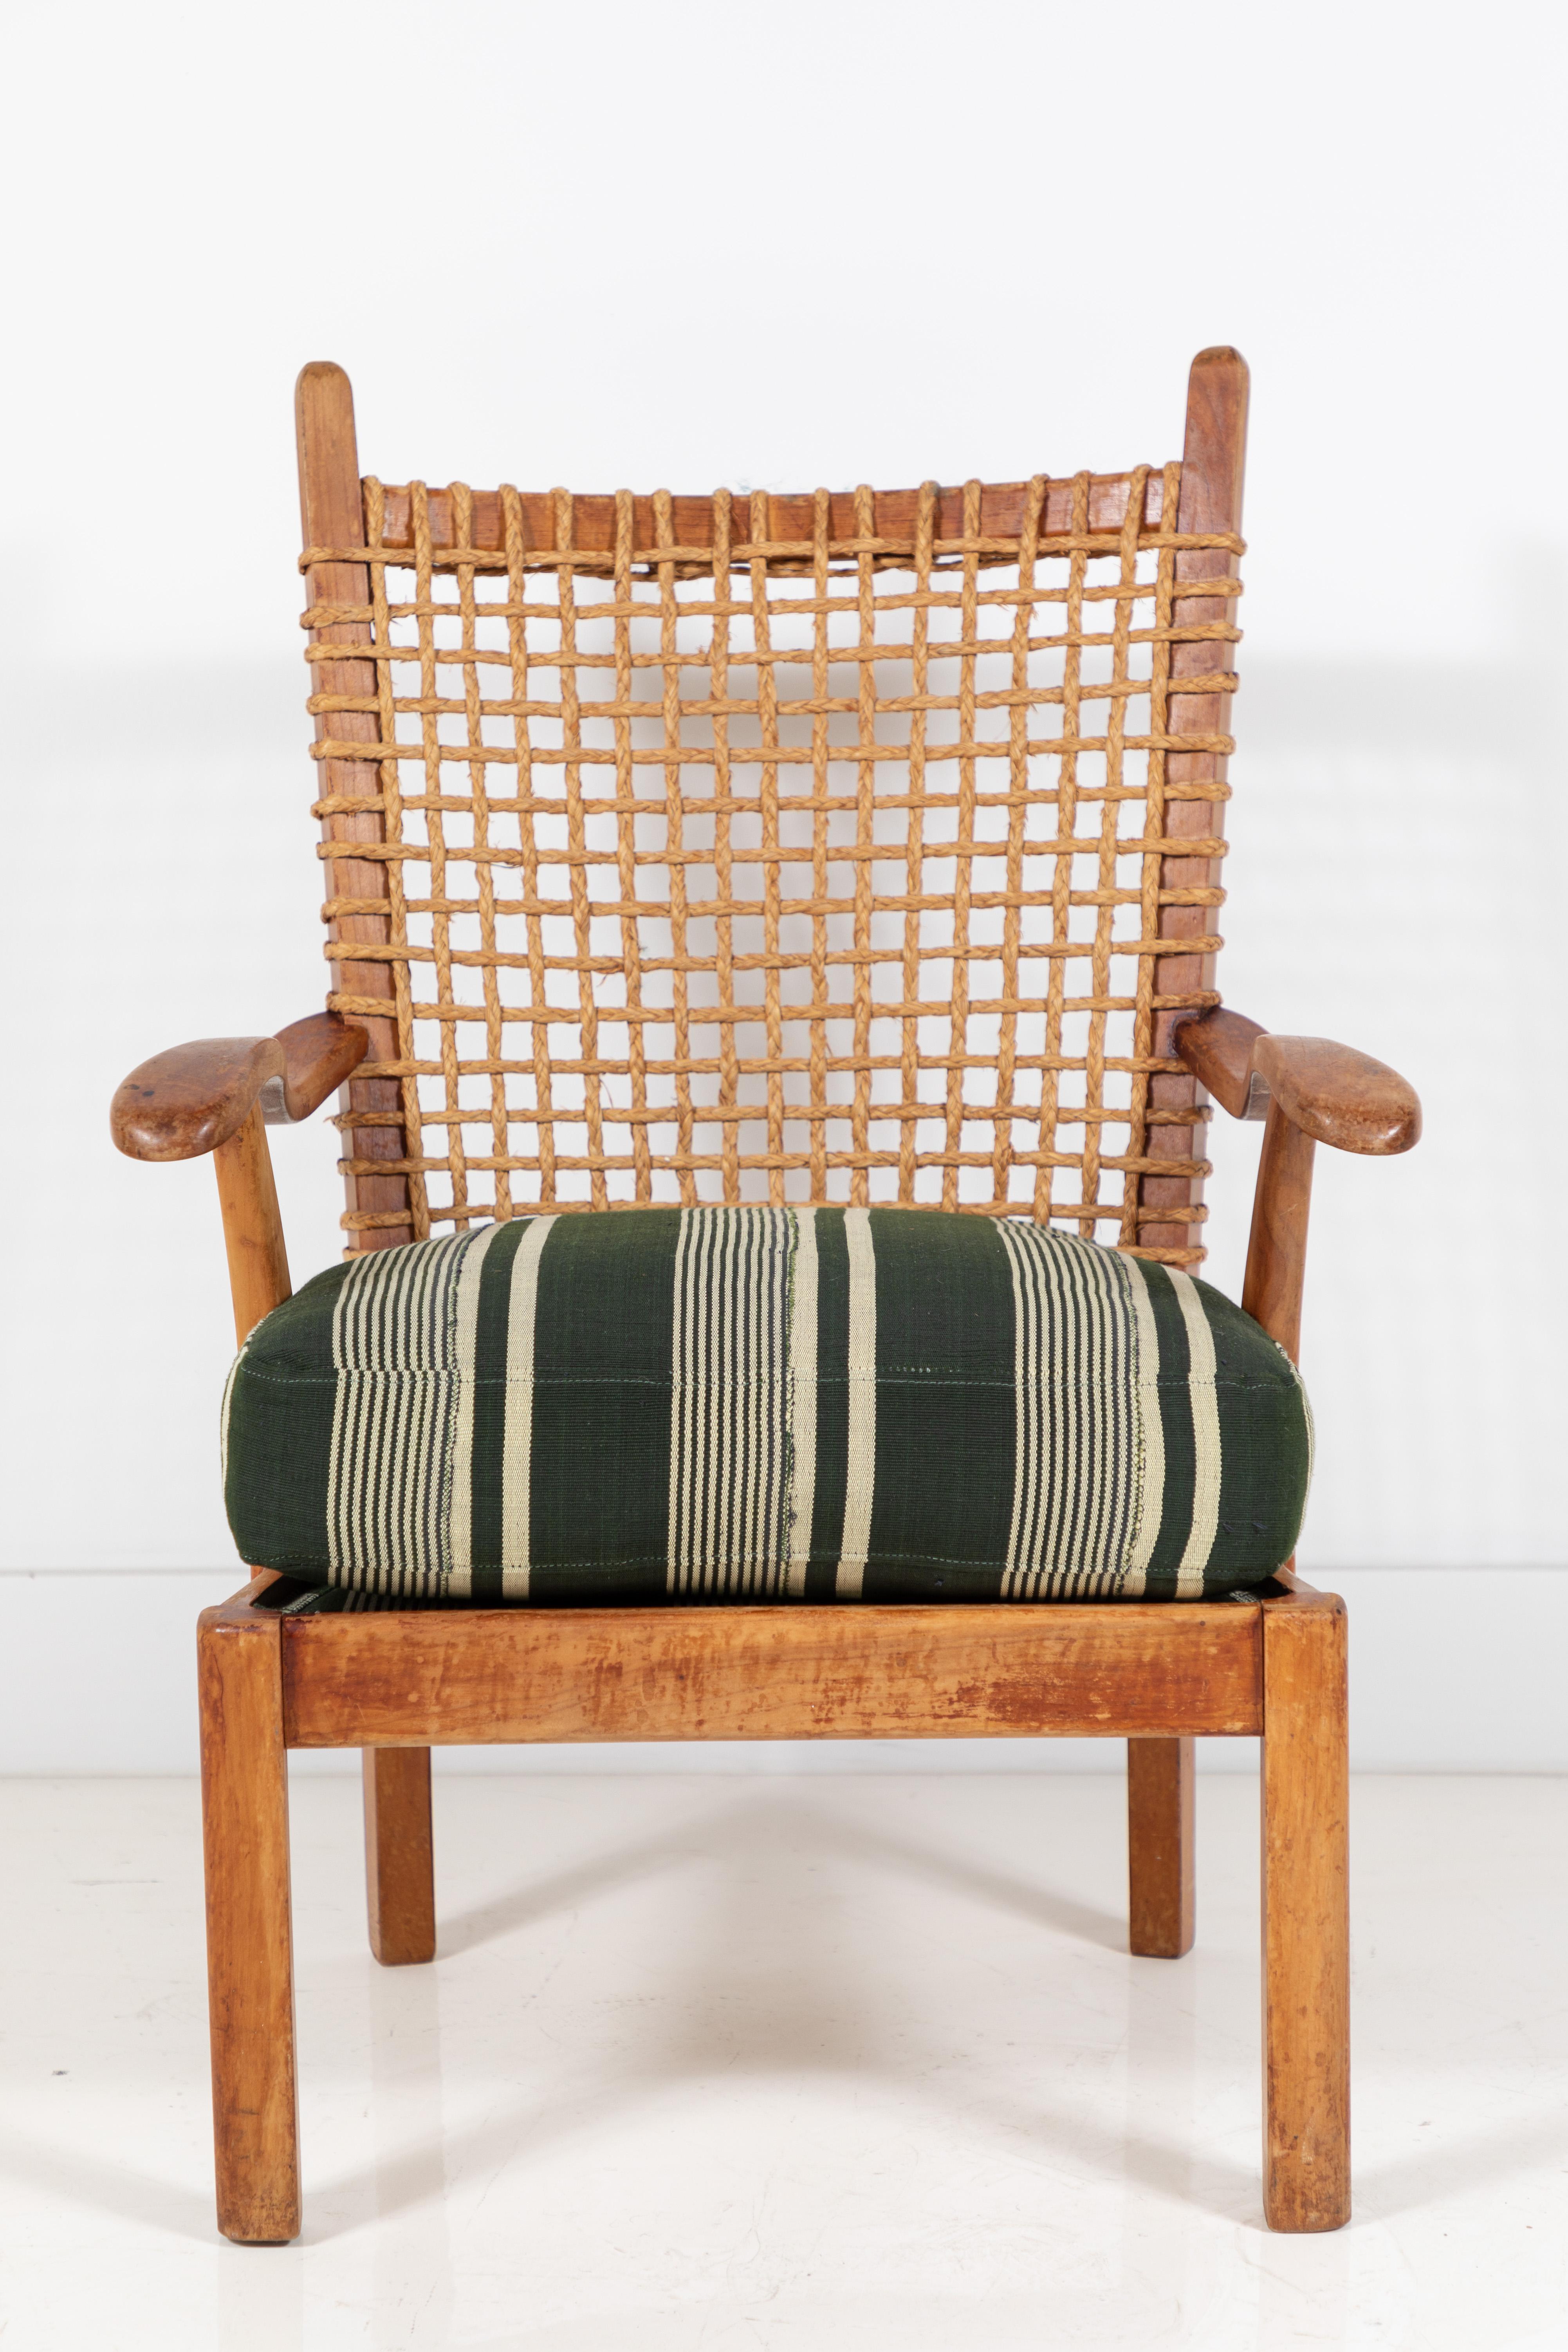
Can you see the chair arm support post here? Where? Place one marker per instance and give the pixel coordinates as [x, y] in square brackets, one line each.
[1277, 1246]
[1315, 1092]
[219, 1096]
[252, 1227]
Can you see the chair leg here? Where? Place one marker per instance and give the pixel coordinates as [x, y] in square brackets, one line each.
[250, 1960]
[1160, 1909]
[399, 1861]
[1306, 1917]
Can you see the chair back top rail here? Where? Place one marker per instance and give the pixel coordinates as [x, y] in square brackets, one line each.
[790, 522]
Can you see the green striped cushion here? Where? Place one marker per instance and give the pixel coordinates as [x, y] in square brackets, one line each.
[763, 1404]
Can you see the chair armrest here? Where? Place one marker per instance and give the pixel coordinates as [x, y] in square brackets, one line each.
[192, 1098]
[1337, 1096]
[1330, 1092]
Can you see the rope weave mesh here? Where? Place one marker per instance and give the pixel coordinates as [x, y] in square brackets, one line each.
[770, 849]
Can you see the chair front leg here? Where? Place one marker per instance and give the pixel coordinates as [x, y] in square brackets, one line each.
[399, 1859]
[250, 1959]
[1306, 1914]
[1160, 1872]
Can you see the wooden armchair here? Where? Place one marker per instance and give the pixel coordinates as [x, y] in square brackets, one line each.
[646, 823]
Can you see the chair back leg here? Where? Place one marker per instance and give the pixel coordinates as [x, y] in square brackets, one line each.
[399, 1859]
[1306, 1915]
[1160, 1874]
[250, 1958]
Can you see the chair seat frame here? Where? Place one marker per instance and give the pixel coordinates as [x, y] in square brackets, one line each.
[397, 1683]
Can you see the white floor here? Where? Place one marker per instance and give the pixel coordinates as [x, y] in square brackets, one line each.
[851, 2063]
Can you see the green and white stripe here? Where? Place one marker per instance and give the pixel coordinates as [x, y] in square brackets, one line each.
[1146, 1414]
[860, 1484]
[517, 1475]
[802, 1395]
[729, 1403]
[1205, 1437]
[1075, 1479]
[394, 1418]
[460, 1563]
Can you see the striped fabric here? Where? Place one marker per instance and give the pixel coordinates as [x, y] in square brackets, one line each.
[741, 1404]
[730, 1449]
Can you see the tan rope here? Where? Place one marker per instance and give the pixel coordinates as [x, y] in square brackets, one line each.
[803, 849]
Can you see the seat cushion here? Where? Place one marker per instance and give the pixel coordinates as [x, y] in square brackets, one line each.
[763, 1404]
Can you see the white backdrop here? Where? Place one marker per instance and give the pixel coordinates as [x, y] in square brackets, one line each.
[689, 245]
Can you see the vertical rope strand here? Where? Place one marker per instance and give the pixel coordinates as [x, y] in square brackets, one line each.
[1154, 828]
[1017, 834]
[392, 819]
[821, 535]
[1105, 877]
[957, 1016]
[625, 848]
[723, 866]
[577, 846]
[484, 870]
[681, 956]
[914, 839]
[865, 836]
[440, 922]
[528, 842]
[1067, 833]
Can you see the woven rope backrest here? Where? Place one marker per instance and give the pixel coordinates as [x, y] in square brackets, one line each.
[765, 849]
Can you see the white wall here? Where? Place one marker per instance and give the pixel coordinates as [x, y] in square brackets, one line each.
[690, 244]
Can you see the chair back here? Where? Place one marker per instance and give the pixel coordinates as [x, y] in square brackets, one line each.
[859, 846]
